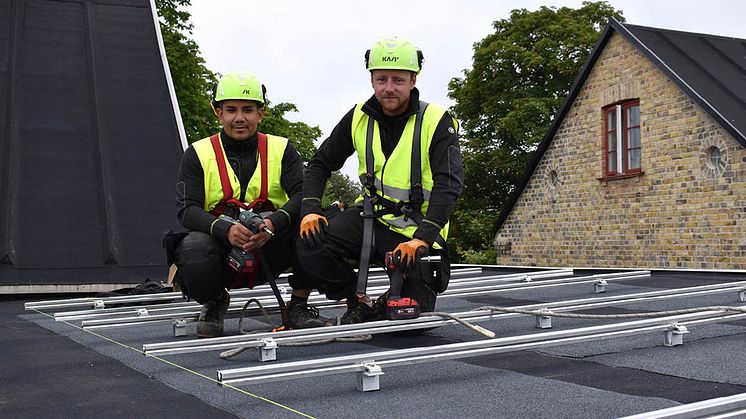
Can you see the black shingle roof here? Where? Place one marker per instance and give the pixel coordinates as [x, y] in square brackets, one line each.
[710, 69]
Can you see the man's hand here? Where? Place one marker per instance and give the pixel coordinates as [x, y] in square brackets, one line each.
[408, 253]
[239, 235]
[312, 227]
[258, 240]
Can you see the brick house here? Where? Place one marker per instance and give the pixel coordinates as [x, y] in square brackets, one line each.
[645, 163]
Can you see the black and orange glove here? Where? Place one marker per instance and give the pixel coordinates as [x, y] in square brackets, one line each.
[312, 227]
[408, 253]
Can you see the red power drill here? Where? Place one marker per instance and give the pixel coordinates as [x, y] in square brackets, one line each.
[398, 307]
[239, 260]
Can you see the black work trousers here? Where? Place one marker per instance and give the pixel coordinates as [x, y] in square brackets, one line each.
[203, 272]
[328, 267]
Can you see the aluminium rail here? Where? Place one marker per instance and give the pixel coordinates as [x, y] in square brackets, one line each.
[239, 298]
[97, 301]
[370, 365]
[145, 315]
[720, 407]
[102, 304]
[320, 301]
[259, 340]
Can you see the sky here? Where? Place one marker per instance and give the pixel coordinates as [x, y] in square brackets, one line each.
[310, 52]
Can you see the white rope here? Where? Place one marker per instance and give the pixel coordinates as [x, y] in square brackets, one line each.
[547, 312]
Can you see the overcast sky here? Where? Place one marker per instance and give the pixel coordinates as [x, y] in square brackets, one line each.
[310, 52]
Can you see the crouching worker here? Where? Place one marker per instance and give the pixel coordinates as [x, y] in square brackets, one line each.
[410, 168]
[239, 168]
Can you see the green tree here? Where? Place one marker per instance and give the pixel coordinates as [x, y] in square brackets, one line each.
[299, 133]
[193, 81]
[520, 75]
[341, 188]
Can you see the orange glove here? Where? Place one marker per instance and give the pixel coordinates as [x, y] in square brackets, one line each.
[312, 227]
[408, 253]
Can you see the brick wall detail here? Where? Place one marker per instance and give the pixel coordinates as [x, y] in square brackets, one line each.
[683, 212]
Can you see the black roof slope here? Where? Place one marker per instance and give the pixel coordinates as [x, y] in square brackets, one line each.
[89, 144]
[710, 69]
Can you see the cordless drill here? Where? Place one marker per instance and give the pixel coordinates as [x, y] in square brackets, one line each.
[239, 260]
[398, 307]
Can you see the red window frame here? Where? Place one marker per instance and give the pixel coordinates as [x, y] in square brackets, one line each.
[622, 138]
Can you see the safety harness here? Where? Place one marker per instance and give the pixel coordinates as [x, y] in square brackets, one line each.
[225, 183]
[247, 279]
[375, 205]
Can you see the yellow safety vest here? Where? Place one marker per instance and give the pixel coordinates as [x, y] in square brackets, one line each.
[213, 187]
[392, 175]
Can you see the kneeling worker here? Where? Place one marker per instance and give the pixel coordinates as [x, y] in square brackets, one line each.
[239, 168]
[410, 168]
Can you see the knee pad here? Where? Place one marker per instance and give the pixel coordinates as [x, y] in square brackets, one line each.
[201, 267]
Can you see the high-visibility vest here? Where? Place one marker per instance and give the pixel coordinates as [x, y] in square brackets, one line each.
[268, 173]
[392, 176]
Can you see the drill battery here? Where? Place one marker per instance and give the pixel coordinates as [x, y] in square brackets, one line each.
[398, 307]
[240, 261]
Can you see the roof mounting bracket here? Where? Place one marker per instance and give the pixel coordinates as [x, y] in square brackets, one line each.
[268, 350]
[544, 320]
[368, 379]
[600, 286]
[180, 327]
[675, 335]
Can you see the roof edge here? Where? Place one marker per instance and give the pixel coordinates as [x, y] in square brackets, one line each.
[680, 82]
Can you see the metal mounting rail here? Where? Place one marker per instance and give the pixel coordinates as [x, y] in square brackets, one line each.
[258, 340]
[371, 364]
[268, 300]
[322, 302]
[259, 290]
[239, 298]
[724, 407]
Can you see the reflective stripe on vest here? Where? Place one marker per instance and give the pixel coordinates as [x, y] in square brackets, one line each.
[392, 175]
[213, 189]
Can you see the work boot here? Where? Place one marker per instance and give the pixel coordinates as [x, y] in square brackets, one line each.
[379, 306]
[302, 316]
[210, 322]
[359, 313]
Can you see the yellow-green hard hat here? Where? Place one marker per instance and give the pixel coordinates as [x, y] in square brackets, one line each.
[394, 54]
[241, 86]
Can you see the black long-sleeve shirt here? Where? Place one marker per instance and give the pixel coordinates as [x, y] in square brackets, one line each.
[445, 162]
[243, 157]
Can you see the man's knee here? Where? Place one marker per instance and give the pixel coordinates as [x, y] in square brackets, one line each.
[201, 263]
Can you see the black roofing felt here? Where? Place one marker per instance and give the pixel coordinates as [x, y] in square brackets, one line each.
[89, 146]
[609, 378]
[710, 69]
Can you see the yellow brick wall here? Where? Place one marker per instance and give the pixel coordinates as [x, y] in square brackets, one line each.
[679, 214]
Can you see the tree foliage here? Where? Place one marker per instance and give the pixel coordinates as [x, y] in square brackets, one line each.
[299, 133]
[192, 80]
[341, 188]
[521, 74]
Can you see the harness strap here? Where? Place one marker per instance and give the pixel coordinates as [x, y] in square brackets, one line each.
[368, 214]
[222, 169]
[225, 182]
[416, 197]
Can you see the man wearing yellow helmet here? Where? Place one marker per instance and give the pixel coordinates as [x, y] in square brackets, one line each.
[410, 168]
[237, 169]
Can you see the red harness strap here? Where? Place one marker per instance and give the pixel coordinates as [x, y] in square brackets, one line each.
[225, 182]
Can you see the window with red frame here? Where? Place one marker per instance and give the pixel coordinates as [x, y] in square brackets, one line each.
[622, 148]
